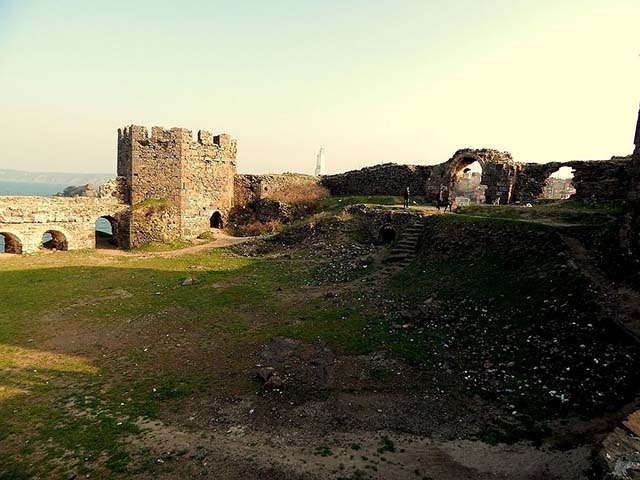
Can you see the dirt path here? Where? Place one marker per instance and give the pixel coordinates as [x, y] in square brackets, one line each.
[222, 240]
[353, 455]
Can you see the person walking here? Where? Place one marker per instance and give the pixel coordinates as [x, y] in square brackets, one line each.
[407, 194]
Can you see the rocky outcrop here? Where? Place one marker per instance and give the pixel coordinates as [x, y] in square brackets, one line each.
[87, 190]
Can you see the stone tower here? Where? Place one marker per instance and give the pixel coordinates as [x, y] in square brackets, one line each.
[174, 183]
[637, 138]
[631, 227]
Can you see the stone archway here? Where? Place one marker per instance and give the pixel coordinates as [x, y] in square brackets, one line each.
[106, 232]
[216, 221]
[54, 240]
[467, 181]
[498, 173]
[387, 234]
[10, 243]
[559, 184]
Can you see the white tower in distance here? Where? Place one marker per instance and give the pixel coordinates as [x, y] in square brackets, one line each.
[320, 162]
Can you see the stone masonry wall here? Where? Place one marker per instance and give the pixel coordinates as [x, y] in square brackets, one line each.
[498, 170]
[251, 188]
[29, 218]
[208, 172]
[387, 179]
[507, 181]
[595, 179]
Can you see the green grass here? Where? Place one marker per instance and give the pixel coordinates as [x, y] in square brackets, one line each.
[163, 247]
[109, 388]
[334, 204]
[152, 205]
[90, 343]
[567, 211]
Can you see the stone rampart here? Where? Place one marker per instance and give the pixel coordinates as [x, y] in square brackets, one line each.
[594, 179]
[251, 188]
[27, 219]
[386, 179]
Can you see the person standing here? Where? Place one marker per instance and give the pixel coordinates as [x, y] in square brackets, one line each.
[407, 194]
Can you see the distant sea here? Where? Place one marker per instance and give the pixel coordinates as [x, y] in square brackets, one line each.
[43, 190]
[29, 188]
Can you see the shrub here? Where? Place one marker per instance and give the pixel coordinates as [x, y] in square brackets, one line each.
[307, 195]
[150, 206]
[257, 228]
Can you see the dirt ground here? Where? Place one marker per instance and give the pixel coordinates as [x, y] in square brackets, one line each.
[292, 360]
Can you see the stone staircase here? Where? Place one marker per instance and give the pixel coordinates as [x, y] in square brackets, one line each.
[404, 250]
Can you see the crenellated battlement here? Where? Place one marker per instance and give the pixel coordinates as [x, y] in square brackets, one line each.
[162, 135]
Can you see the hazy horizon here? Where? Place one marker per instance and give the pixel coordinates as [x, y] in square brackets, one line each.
[372, 81]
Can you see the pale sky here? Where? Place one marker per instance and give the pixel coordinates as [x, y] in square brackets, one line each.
[371, 80]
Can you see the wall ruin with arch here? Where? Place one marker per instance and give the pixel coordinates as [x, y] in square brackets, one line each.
[27, 219]
[507, 181]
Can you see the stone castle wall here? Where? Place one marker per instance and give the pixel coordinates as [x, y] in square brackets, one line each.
[427, 180]
[251, 188]
[507, 181]
[595, 179]
[29, 218]
[387, 179]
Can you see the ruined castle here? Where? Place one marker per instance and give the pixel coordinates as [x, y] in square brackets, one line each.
[171, 186]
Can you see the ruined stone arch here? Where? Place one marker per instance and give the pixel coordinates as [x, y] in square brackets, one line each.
[457, 166]
[558, 188]
[102, 239]
[59, 240]
[12, 242]
[462, 161]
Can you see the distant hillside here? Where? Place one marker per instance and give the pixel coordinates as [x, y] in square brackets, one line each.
[55, 178]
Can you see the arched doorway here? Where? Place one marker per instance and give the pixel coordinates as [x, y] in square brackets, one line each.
[106, 232]
[9, 243]
[216, 220]
[54, 240]
[387, 234]
[467, 185]
[559, 185]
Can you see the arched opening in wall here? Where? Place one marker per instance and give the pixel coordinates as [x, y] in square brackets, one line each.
[9, 243]
[467, 186]
[216, 220]
[106, 228]
[559, 185]
[387, 234]
[54, 240]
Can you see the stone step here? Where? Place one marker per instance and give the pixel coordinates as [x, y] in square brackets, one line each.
[404, 246]
[398, 258]
[404, 241]
[404, 250]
